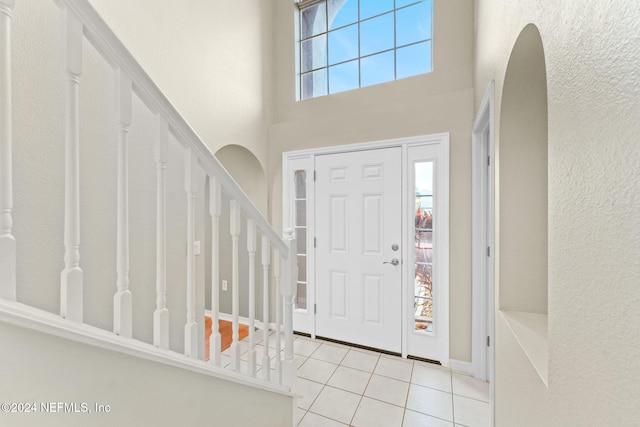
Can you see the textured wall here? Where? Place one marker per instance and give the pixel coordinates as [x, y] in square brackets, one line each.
[592, 62]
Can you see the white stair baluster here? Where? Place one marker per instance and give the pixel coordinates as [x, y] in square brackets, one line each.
[191, 188]
[276, 275]
[251, 248]
[71, 305]
[215, 209]
[290, 274]
[266, 260]
[7, 240]
[235, 225]
[161, 314]
[122, 300]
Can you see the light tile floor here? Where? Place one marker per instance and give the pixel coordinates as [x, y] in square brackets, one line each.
[346, 386]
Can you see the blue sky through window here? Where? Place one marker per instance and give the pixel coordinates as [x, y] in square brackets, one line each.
[376, 34]
[342, 13]
[369, 8]
[343, 44]
[367, 42]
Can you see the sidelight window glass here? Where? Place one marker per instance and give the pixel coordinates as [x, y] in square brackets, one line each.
[423, 247]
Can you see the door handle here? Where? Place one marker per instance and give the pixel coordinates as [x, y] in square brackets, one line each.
[394, 261]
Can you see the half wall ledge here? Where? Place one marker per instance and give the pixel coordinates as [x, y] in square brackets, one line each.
[530, 330]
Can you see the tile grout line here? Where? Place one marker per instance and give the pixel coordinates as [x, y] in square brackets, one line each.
[372, 372]
[406, 400]
[324, 385]
[306, 411]
[364, 391]
[453, 409]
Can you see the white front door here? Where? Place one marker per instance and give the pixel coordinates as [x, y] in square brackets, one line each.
[359, 247]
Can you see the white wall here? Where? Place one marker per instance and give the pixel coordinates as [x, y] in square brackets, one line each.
[592, 61]
[440, 101]
[521, 162]
[212, 59]
[43, 368]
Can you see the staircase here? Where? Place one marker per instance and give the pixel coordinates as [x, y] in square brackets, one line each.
[113, 159]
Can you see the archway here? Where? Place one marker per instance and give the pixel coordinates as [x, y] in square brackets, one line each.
[522, 181]
[245, 168]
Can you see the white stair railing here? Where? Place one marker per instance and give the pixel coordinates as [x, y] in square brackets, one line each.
[122, 300]
[71, 287]
[7, 240]
[191, 188]
[81, 22]
[161, 315]
[266, 358]
[251, 248]
[215, 209]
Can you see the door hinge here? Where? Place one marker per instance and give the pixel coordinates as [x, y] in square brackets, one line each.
[489, 251]
[315, 309]
[488, 160]
[314, 242]
[488, 341]
[314, 176]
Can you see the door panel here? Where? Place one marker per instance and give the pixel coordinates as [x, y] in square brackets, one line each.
[358, 206]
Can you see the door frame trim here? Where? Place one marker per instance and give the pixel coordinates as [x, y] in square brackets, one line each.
[482, 282]
[442, 139]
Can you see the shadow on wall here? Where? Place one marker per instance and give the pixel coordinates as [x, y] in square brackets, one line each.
[523, 161]
[245, 168]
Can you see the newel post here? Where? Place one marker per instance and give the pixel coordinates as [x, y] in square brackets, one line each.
[72, 276]
[7, 240]
[289, 275]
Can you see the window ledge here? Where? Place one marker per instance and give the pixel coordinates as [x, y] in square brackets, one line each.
[530, 330]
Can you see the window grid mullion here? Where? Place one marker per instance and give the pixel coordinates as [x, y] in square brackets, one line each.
[395, 41]
[326, 60]
[359, 54]
[359, 21]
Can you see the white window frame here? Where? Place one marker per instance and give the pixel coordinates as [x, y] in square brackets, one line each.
[302, 4]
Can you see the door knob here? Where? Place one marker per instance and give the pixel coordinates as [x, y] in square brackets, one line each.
[394, 261]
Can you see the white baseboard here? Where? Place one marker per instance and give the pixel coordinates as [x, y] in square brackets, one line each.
[461, 367]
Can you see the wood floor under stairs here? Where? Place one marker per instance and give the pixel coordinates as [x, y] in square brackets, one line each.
[226, 334]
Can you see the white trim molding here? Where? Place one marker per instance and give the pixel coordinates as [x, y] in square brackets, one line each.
[38, 320]
[304, 159]
[460, 366]
[482, 236]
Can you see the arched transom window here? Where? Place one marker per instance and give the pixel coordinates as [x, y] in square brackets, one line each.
[347, 44]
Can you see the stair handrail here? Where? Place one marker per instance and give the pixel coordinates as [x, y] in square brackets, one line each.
[114, 51]
[80, 19]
